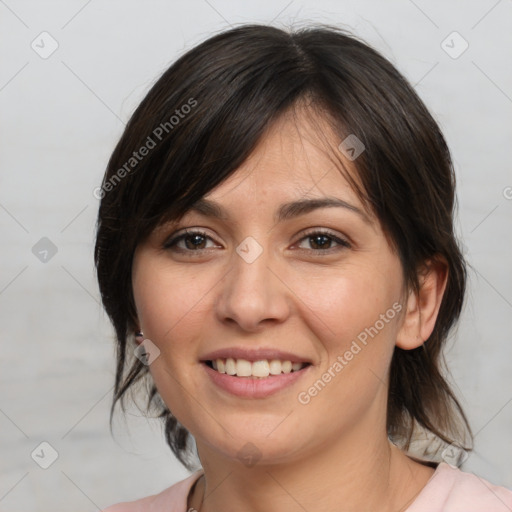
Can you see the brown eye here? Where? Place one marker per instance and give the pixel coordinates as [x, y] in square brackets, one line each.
[196, 241]
[321, 241]
[190, 241]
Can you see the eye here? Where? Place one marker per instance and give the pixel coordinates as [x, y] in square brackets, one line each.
[196, 241]
[190, 241]
[321, 241]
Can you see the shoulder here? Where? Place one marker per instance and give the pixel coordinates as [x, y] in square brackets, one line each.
[453, 490]
[172, 499]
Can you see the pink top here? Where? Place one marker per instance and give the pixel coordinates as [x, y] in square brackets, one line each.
[448, 490]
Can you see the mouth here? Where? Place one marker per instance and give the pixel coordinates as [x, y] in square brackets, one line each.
[260, 369]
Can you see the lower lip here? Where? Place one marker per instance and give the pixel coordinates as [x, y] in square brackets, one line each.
[251, 387]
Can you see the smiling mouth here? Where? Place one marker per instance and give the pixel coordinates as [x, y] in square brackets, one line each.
[257, 369]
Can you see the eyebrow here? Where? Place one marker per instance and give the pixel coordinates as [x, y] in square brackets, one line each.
[285, 211]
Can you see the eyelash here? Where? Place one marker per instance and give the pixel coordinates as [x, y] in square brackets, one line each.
[342, 244]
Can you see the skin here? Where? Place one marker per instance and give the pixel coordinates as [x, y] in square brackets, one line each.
[334, 450]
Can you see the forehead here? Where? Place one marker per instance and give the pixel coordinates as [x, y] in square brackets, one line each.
[297, 157]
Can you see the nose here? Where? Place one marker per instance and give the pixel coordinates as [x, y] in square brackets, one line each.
[253, 293]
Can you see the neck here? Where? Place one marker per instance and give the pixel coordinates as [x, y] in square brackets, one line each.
[353, 472]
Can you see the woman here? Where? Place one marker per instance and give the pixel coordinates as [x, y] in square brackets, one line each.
[275, 250]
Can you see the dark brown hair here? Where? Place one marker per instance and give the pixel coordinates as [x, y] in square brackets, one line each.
[202, 119]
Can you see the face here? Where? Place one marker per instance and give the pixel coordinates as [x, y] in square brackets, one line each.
[317, 285]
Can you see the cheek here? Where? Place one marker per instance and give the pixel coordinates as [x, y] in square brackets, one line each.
[171, 309]
[167, 302]
[355, 317]
[340, 306]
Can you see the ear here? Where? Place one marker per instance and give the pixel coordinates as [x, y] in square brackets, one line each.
[423, 308]
[139, 336]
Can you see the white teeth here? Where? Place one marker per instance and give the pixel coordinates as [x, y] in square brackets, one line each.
[230, 366]
[261, 369]
[286, 366]
[275, 367]
[243, 368]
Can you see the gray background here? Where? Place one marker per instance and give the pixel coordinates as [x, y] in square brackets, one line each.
[61, 117]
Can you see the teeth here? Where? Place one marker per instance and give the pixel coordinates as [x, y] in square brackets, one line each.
[261, 369]
[275, 367]
[243, 368]
[286, 366]
[230, 366]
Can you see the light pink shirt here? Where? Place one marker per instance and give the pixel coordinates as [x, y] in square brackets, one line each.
[448, 490]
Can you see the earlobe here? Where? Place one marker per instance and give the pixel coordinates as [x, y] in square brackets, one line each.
[139, 336]
[423, 307]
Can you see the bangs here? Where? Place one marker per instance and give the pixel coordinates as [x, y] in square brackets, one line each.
[312, 123]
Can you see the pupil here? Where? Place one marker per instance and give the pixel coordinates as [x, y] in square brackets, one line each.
[196, 241]
[320, 237]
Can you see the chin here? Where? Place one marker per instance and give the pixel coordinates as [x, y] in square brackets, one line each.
[250, 446]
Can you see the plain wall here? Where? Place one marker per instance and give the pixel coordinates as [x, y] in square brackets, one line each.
[60, 119]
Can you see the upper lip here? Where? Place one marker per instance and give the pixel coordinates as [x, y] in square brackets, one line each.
[256, 354]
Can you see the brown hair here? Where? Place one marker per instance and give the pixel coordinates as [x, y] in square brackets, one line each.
[203, 118]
